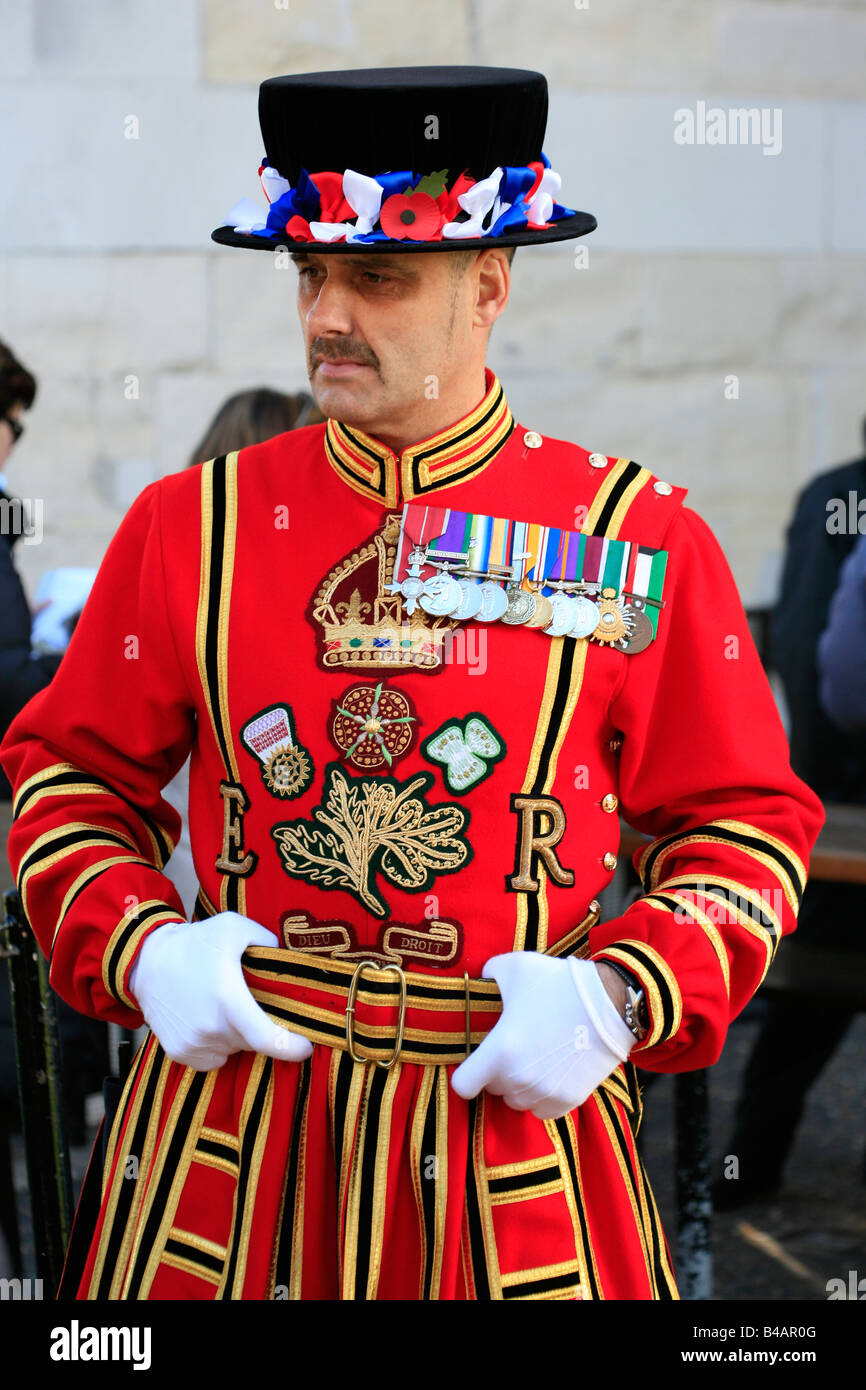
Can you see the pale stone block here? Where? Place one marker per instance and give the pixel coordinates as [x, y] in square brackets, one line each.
[65, 399]
[702, 310]
[105, 39]
[112, 313]
[99, 189]
[284, 36]
[807, 50]
[123, 399]
[255, 314]
[648, 191]
[822, 310]
[265, 40]
[157, 312]
[570, 303]
[16, 27]
[424, 34]
[846, 213]
[608, 45]
[57, 301]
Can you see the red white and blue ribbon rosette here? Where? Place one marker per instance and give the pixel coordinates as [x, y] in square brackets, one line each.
[402, 205]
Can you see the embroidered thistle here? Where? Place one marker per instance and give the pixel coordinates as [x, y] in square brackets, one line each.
[368, 825]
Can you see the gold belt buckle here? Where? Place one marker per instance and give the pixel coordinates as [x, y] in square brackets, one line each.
[350, 1012]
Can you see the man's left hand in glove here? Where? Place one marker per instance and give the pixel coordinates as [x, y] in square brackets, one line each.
[559, 1037]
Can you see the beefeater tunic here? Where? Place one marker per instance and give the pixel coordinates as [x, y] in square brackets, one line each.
[242, 615]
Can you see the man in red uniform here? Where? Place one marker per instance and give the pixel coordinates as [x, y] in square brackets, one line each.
[421, 656]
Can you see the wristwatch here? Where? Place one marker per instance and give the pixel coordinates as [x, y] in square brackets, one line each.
[636, 1014]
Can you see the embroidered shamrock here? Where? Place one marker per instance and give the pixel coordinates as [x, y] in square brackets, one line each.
[468, 750]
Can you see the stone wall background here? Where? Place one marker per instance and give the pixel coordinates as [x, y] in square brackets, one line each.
[710, 261]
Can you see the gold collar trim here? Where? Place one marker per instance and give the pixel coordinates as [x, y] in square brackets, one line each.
[452, 456]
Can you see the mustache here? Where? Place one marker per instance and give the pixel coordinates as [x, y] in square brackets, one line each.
[349, 350]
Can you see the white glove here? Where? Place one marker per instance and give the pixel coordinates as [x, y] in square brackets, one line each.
[559, 1036]
[189, 984]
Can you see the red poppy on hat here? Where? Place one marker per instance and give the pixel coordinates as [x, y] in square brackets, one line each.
[414, 215]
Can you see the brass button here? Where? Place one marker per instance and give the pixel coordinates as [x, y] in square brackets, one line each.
[532, 440]
[598, 460]
[609, 861]
[609, 802]
[664, 488]
[614, 744]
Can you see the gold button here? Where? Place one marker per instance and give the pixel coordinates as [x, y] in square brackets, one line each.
[615, 744]
[609, 802]
[609, 861]
[664, 488]
[532, 440]
[598, 460]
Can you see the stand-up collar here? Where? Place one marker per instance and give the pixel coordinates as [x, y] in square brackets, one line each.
[452, 456]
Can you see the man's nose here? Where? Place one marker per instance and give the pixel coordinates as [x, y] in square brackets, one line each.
[331, 309]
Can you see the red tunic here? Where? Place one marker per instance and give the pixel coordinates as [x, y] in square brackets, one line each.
[240, 616]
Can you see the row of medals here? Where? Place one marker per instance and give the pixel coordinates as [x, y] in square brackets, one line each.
[603, 618]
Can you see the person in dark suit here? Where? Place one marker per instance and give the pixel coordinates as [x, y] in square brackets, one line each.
[832, 760]
[21, 672]
[842, 646]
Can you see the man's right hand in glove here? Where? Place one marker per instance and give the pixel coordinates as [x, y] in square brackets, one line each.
[189, 984]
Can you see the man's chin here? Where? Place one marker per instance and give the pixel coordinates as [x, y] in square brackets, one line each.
[352, 400]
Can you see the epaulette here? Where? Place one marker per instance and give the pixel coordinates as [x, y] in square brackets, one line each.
[630, 502]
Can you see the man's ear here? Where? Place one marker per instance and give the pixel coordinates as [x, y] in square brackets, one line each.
[493, 284]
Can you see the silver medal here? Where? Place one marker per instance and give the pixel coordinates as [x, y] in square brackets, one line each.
[586, 617]
[470, 600]
[494, 601]
[563, 614]
[441, 594]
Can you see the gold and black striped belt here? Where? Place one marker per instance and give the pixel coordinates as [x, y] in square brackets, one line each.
[378, 1011]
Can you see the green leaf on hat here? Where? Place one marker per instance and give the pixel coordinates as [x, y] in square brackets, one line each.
[434, 184]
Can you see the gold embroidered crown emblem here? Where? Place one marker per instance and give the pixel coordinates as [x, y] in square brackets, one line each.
[362, 625]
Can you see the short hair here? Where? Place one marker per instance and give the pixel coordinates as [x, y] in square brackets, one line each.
[17, 385]
[461, 260]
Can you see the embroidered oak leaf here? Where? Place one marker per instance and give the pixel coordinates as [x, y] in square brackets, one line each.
[370, 825]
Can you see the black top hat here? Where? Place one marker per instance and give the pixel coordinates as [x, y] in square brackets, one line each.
[404, 159]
